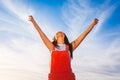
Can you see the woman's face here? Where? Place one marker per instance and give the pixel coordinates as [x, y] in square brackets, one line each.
[60, 37]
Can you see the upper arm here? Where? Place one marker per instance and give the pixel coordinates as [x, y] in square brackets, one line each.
[77, 41]
[48, 44]
[46, 41]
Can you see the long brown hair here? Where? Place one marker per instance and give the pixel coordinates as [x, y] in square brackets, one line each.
[66, 41]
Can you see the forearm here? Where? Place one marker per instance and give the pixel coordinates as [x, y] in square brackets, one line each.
[85, 33]
[38, 28]
[44, 38]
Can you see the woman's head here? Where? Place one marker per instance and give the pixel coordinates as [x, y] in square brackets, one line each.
[60, 38]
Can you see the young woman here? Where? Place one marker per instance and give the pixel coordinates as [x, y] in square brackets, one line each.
[61, 51]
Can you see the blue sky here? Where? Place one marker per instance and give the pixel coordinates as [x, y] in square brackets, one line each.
[23, 56]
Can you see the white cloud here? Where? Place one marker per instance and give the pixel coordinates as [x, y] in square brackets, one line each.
[103, 16]
[12, 17]
[18, 8]
[23, 59]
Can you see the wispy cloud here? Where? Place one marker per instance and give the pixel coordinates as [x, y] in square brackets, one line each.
[19, 9]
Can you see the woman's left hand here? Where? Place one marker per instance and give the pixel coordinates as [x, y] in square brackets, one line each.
[95, 21]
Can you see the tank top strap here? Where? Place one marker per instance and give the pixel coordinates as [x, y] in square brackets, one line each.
[53, 48]
[67, 47]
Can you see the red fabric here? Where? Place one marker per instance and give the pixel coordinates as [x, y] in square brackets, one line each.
[61, 66]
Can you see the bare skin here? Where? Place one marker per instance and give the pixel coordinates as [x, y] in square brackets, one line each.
[60, 35]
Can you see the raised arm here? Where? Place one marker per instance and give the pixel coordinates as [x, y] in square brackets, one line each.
[45, 39]
[80, 38]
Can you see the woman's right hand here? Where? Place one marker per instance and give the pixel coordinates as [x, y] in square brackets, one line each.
[30, 18]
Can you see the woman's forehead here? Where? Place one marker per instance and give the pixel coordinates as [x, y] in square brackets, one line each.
[60, 32]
